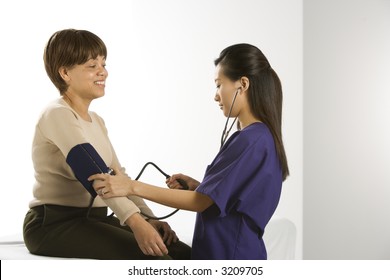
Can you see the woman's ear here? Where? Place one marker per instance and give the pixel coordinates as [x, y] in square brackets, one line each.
[244, 81]
[63, 71]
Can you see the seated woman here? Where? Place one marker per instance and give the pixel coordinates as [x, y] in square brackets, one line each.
[70, 144]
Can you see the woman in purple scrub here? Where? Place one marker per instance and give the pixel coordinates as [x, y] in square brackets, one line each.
[241, 187]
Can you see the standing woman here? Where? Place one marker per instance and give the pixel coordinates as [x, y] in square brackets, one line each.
[70, 142]
[241, 187]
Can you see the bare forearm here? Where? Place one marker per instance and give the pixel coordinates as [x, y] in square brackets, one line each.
[120, 185]
[187, 200]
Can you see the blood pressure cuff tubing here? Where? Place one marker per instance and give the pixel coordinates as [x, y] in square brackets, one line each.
[85, 161]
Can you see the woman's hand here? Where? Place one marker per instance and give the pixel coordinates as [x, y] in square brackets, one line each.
[168, 235]
[172, 182]
[148, 239]
[107, 185]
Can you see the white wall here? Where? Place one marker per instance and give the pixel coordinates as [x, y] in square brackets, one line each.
[346, 129]
[159, 96]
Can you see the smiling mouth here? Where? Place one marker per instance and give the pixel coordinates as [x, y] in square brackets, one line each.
[100, 83]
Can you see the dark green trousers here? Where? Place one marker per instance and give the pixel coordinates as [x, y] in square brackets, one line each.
[72, 232]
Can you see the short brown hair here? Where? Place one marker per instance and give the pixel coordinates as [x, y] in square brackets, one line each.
[67, 48]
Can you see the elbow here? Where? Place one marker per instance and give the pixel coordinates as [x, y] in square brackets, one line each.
[202, 202]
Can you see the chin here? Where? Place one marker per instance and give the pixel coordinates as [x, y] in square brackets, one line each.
[100, 94]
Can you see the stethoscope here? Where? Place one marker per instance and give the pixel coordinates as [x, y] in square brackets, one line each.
[225, 133]
[184, 186]
[182, 183]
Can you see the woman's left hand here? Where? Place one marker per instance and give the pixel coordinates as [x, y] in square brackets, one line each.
[168, 235]
[107, 185]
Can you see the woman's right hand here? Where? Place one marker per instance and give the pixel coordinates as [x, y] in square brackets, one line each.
[148, 239]
[172, 182]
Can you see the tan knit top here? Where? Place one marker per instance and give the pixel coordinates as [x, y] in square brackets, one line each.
[58, 130]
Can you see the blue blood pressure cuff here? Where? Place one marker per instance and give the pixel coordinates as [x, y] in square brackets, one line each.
[85, 161]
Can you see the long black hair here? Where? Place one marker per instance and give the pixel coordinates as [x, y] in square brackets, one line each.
[265, 89]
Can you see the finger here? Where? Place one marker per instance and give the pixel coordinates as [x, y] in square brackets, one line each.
[170, 180]
[174, 176]
[103, 191]
[161, 249]
[172, 184]
[166, 236]
[98, 184]
[116, 170]
[151, 252]
[144, 250]
[164, 227]
[98, 176]
[155, 250]
[175, 185]
[169, 238]
[174, 237]
[98, 189]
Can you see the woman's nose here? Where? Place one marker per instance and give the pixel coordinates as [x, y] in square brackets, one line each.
[102, 71]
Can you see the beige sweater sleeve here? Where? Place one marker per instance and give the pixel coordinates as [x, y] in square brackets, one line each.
[58, 130]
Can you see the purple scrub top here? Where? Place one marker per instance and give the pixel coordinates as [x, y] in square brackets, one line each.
[244, 181]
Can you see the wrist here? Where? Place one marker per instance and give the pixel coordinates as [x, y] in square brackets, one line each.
[134, 220]
[133, 187]
[130, 187]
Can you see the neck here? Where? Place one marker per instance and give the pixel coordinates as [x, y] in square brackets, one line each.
[246, 120]
[79, 105]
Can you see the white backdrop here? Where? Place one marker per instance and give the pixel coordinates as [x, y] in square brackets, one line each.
[346, 129]
[159, 95]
